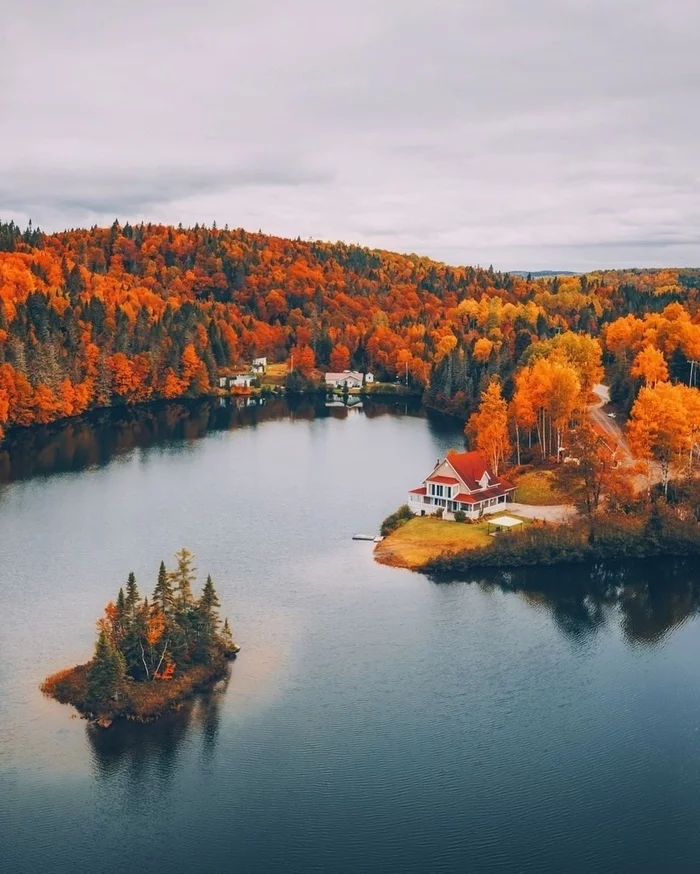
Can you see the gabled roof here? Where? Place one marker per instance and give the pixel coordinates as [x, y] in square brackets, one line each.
[345, 374]
[470, 467]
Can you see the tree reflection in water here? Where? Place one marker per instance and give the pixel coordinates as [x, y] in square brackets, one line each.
[138, 754]
[95, 439]
[647, 599]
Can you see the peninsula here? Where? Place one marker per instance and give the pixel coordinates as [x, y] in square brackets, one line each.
[583, 511]
[150, 655]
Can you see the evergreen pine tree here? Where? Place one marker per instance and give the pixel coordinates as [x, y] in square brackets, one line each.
[105, 675]
[206, 623]
[121, 620]
[163, 597]
[226, 631]
[227, 638]
[138, 657]
[209, 603]
[132, 593]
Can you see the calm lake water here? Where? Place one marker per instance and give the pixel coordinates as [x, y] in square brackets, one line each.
[375, 721]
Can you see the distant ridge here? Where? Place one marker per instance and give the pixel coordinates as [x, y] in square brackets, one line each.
[543, 274]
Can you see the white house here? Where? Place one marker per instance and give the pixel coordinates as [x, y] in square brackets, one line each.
[239, 380]
[461, 481]
[259, 365]
[348, 379]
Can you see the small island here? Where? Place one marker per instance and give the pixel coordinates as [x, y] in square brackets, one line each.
[150, 655]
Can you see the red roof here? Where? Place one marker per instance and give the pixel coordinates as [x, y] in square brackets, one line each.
[470, 466]
[419, 491]
[494, 492]
[450, 480]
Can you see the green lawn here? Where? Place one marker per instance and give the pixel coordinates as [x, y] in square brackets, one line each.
[275, 376]
[537, 487]
[426, 537]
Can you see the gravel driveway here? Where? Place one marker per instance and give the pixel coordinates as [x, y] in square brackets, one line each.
[556, 513]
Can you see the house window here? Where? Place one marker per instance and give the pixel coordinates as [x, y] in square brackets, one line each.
[436, 491]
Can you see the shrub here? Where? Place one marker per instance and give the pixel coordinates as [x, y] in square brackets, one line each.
[609, 538]
[439, 513]
[460, 516]
[396, 520]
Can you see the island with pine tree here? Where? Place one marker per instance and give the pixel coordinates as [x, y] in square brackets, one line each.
[150, 655]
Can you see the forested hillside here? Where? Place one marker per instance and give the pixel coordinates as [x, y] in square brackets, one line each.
[120, 315]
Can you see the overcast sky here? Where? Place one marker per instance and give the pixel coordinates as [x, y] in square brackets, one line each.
[525, 133]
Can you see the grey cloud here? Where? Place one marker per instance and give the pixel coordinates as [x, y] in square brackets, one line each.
[476, 132]
[134, 191]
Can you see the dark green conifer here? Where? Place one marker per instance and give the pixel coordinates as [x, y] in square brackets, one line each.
[137, 656]
[119, 625]
[163, 596]
[105, 675]
[227, 638]
[209, 602]
[132, 593]
[206, 623]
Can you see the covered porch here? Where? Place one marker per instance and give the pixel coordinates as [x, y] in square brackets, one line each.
[473, 506]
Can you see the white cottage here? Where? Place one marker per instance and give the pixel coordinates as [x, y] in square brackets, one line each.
[239, 380]
[348, 379]
[461, 481]
[259, 365]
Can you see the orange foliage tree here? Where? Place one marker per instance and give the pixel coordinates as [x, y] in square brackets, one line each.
[489, 426]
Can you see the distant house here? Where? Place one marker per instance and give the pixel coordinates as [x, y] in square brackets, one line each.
[259, 365]
[461, 481]
[242, 380]
[238, 380]
[348, 379]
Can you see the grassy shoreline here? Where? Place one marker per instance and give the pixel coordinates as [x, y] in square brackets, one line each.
[606, 538]
[442, 548]
[141, 702]
[424, 538]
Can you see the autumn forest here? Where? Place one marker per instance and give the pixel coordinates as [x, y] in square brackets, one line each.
[128, 314]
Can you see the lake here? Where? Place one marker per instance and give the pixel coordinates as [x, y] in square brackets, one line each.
[375, 721]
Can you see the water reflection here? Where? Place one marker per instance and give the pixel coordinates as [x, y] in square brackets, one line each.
[647, 599]
[150, 752]
[94, 440]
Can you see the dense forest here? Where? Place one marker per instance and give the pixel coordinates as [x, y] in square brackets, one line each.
[126, 314]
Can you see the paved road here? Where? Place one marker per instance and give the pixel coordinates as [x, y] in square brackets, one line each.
[641, 477]
[608, 426]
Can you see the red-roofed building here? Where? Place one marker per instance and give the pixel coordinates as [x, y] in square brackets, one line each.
[461, 481]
